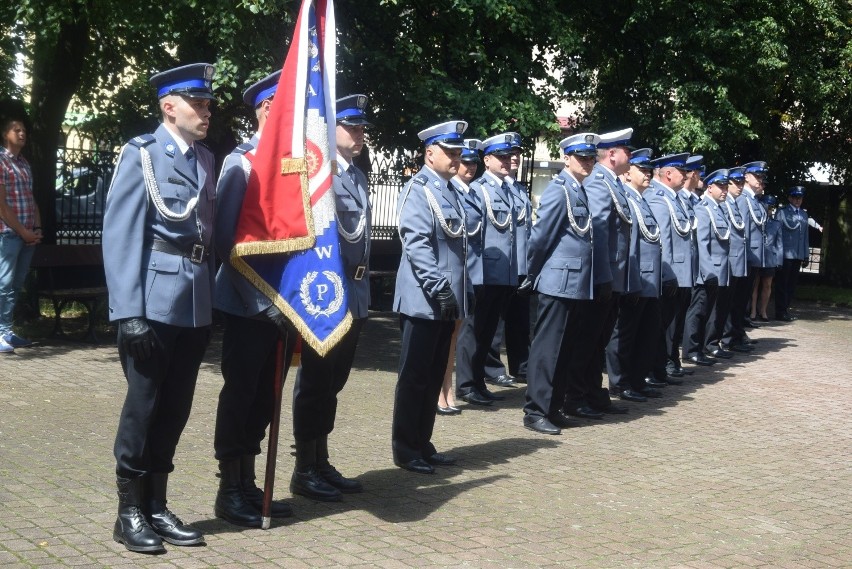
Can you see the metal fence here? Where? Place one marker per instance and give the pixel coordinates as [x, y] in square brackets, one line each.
[83, 175]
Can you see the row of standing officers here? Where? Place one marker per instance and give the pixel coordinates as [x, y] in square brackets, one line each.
[613, 259]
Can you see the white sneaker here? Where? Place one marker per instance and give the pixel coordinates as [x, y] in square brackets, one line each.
[5, 347]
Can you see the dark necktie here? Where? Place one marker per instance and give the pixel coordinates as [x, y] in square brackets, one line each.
[192, 162]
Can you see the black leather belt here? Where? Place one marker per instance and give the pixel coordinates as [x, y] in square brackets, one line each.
[197, 253]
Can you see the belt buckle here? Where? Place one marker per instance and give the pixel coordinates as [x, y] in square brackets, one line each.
[359, 272]
[197, 255]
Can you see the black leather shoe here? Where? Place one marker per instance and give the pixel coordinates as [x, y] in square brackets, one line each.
[651, 382]
[700, 360]
[131, 528]
[785, 318]
[740, 348]
[651, 393]
[474, 398]
[333, 477]
[541, 425]
[719, 353]
[584, 411]
[675, 371]
[501, 381]
[521, 378]
[448, 410]
[559, 419]
[310, 484]
[172, 530]
[630, 395]
[417, 465]
[441, 459]
[763, 318]
[615, 410]
[490, 396]
[750, 323]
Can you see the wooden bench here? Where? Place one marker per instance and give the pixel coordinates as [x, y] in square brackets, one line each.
[71, 273]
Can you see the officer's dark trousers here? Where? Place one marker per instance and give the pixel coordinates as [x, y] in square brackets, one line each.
[246, 401]
[422, 363]
[674, 332]
[735, 326]
[718, 317]
[515, 328]
[159, 399]
[319, 381]
[697, 324]
[475, 336]
[785, 285]
[669, 307]
[598, 324]
[555, 358]
[631, 347]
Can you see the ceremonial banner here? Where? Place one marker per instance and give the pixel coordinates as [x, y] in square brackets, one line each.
[286, 240]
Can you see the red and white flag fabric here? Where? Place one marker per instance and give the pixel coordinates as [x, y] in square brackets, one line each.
[286, 240]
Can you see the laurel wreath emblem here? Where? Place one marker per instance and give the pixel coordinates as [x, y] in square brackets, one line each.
[305, 294]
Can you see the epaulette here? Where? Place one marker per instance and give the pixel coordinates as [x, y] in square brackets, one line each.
[599, 176]
[142, 140]
[243, 148]
[660, 193]
[558, 180]
[421, 179]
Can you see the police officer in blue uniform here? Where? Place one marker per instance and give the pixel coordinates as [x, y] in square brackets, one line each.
[773, 254]
[560, 270]
[794, 235]
[749, 203]
[675, 333]
[733, 337]
[253, 326]
[321, 378]
[712, 236]
[158, 226]
[633, 344]
[611, 221]
[468, 166]
[499, 270]
[432, 291]
[678, 273]
[515, 320]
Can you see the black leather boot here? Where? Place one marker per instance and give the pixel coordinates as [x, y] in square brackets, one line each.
[131, 527]
[306, 480]
[231, 504]
[167, 525]
[254, 495]
[330, 473]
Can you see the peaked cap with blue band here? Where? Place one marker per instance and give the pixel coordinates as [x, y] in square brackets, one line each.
[262, 90]
[616, 138]
[503, 143]
[694, 162]
[351, 110]
[470, 152]
[674, 160]
[768, 200]
[756, 168]
[796, 191]
[737, 174]
[447, 134]
[194, 80]
[641, 158]
[583, 144]
[719, 177]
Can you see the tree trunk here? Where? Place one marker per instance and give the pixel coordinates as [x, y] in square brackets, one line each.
[57, 67]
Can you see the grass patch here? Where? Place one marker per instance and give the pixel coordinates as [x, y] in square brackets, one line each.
[833, 295]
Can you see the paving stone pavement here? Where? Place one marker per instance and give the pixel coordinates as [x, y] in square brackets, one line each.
[748, 464]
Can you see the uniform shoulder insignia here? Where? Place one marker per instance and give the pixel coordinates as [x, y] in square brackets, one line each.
[421, 179]
[142, 140]
[599, 176]
[558, 180]
[660, 193]
[244, 148]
